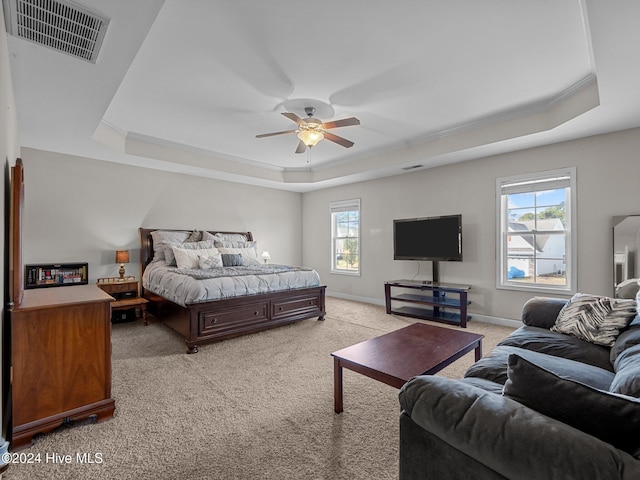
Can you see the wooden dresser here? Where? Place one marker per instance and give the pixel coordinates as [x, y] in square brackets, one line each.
[61, 359]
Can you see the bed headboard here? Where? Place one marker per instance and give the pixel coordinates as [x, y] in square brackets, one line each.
[146, 243]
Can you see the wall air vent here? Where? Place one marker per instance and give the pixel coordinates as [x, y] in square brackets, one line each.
[59, 24]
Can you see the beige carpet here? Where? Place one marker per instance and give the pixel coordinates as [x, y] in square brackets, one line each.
[254, 407]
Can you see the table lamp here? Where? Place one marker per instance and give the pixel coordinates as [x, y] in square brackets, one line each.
[265, 256]
[122, 257]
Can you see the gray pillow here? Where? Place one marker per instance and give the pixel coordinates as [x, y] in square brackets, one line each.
[169, 256]
[195, 236]
[610, 417]
[232, 259]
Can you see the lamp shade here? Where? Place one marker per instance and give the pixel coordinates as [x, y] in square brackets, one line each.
[310, 137]
[122, 256]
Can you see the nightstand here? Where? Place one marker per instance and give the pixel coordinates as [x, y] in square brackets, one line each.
[126, 294]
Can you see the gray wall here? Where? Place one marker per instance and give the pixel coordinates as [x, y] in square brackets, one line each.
[79, 209]
[608, 170]
[82, 210]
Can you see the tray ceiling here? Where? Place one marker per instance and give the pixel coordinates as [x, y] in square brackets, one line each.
[186, 86]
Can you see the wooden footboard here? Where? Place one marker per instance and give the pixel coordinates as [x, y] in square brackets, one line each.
[208, 322]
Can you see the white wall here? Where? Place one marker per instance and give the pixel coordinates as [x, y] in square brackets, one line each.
[608, 171]
[82, 210]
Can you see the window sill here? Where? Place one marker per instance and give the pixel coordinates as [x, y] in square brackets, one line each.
[345, 272]
[537, 289]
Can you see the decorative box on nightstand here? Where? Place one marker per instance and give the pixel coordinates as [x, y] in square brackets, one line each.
[125, 292]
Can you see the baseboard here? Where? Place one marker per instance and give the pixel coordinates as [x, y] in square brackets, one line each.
[505, 322]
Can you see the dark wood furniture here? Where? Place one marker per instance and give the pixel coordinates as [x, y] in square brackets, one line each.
[60, 345]
[61, 360]
[126, 294]
[207, 322]
[397, 357]
[437, 305]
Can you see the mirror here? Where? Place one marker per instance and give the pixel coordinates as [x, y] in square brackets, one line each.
[626, 245]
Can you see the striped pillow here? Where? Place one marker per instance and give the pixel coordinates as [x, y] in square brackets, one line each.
[595, 319]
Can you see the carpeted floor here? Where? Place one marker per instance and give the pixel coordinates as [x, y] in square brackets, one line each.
[253, 407]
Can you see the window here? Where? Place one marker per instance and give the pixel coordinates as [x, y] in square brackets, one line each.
[536, 240]
[345, 237]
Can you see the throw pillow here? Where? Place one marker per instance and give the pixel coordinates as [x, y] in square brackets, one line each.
[610, 417]
[188, 258]
[595, 319]
[207, 262]
[169, 256]
[250, 256]
[232, 259]
[195, 236]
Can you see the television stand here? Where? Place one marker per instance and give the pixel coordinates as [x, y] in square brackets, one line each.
[436, 306]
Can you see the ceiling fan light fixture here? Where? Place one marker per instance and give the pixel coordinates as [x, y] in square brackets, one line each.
[310, 137]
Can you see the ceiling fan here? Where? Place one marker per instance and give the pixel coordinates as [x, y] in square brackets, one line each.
[311, 130]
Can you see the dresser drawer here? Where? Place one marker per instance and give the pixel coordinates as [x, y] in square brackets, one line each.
[119, 287]
[233, 318]
[295, 306]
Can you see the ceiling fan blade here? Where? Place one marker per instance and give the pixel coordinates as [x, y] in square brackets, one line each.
[345, 122]
[275, 133]
[339, 140]
[301, 147]
[294, 117]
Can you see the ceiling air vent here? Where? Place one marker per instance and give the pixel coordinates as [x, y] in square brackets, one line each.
[59, 24]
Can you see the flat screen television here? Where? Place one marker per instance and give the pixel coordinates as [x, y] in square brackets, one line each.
[432, 238]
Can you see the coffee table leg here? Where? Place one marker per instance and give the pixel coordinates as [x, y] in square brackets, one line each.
[337, 385]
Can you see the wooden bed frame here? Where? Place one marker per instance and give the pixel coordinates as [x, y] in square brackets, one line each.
[216, 320]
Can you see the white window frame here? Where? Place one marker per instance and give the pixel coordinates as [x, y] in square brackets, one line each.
[345, 206]
[528, 182]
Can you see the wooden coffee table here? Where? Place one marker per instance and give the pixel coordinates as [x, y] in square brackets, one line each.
[397, 357]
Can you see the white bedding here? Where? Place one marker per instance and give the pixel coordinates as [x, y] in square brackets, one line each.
[183, 289]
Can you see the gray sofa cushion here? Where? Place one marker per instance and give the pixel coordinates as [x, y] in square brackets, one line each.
[484, 384]
[628, 338]
[509, 438]
[610, 417]
[627, 367]
[495, 367]
[559, 345]
[542, 312]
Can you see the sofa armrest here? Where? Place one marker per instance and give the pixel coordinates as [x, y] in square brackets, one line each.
[509, 438]
[542, 311]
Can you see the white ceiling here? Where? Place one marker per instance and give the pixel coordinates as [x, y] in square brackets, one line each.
[186, 85]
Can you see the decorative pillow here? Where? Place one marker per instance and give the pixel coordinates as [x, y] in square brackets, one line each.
[232, 259]
[169, 256]
[628, 288]
[595, 319]
[227, 244]
[195, 236]
[188, 258]
[207, 262]
[159, 238]
[224, 237]
[611, 417]
[250, 255]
